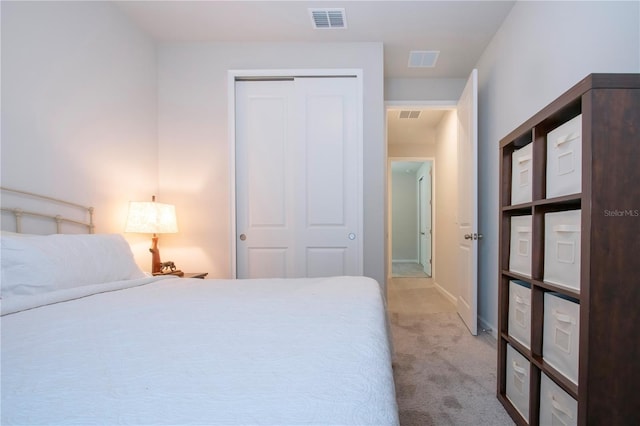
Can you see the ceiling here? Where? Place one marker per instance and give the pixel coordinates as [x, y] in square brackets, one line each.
[419, 130]
[460, 30]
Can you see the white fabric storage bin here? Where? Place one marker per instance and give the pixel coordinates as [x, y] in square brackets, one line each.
[520, 247]
[556, 406]
[564, 159]
[521, 175]
[518, 376]
[561, 335]
[519, 326]
[562, 248]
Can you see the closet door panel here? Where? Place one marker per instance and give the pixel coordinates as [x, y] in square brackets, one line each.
[299, 185]
[264, 184]
[329, 216]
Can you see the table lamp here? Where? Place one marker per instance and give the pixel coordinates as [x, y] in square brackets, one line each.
[149, 217]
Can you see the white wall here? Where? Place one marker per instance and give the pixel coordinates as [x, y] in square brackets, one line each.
[446, 194]
[423, 89]
[541, 50]
[194, 147]
[79, 107]
[412, 150]
[404, 216]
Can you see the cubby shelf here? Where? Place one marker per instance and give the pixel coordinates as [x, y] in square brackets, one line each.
[608, 388]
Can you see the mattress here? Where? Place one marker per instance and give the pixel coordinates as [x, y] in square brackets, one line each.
[312, 351]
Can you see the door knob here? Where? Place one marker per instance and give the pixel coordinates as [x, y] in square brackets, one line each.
[243, 237]
[473, 236]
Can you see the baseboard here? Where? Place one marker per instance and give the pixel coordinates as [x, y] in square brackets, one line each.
[445, 293]
[405, 261]
[482, 323]
[487, 327]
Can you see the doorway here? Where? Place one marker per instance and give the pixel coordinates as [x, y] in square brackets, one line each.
[411, 217]
[446, 132]
[415, 135]
[425, 133]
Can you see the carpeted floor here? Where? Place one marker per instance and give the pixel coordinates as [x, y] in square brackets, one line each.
[407, 269]
[443, 375]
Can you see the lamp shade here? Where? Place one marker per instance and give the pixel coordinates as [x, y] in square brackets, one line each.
[149, 217]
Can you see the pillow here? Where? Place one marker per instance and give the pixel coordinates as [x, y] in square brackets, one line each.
[34, 264]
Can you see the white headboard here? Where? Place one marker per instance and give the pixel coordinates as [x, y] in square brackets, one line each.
[27, 212]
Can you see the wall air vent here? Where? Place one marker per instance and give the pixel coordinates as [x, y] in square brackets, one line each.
[326, 19]
[409, 114]
[423, 58]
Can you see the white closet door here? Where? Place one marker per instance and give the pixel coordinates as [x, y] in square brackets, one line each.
[264, 179]
[299, 165]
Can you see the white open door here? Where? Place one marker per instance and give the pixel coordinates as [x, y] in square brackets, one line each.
[468, 236]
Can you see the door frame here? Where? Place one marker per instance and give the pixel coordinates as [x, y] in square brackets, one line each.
[389, 208]
[422, 203]
[266, 74]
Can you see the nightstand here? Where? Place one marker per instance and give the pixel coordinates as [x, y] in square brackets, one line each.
[200, 275]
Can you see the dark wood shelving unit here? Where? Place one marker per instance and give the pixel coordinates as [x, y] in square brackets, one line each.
[608, 389]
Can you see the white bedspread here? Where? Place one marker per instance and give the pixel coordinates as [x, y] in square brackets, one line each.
[209, 352]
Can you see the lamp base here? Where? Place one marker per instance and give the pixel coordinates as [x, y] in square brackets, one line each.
[156, 264]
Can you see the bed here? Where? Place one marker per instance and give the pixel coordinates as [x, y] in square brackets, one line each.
[88, 338]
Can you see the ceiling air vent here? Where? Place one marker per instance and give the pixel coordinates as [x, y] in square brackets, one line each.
[409, 114]
[324, 19]
[423, 58]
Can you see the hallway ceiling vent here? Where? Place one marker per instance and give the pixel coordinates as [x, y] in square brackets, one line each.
[409, 114]
[326, 19]
[423, 58]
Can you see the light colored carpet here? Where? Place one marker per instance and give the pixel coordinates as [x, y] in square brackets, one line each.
[416, 296]
[443, 375]
[407, 269]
